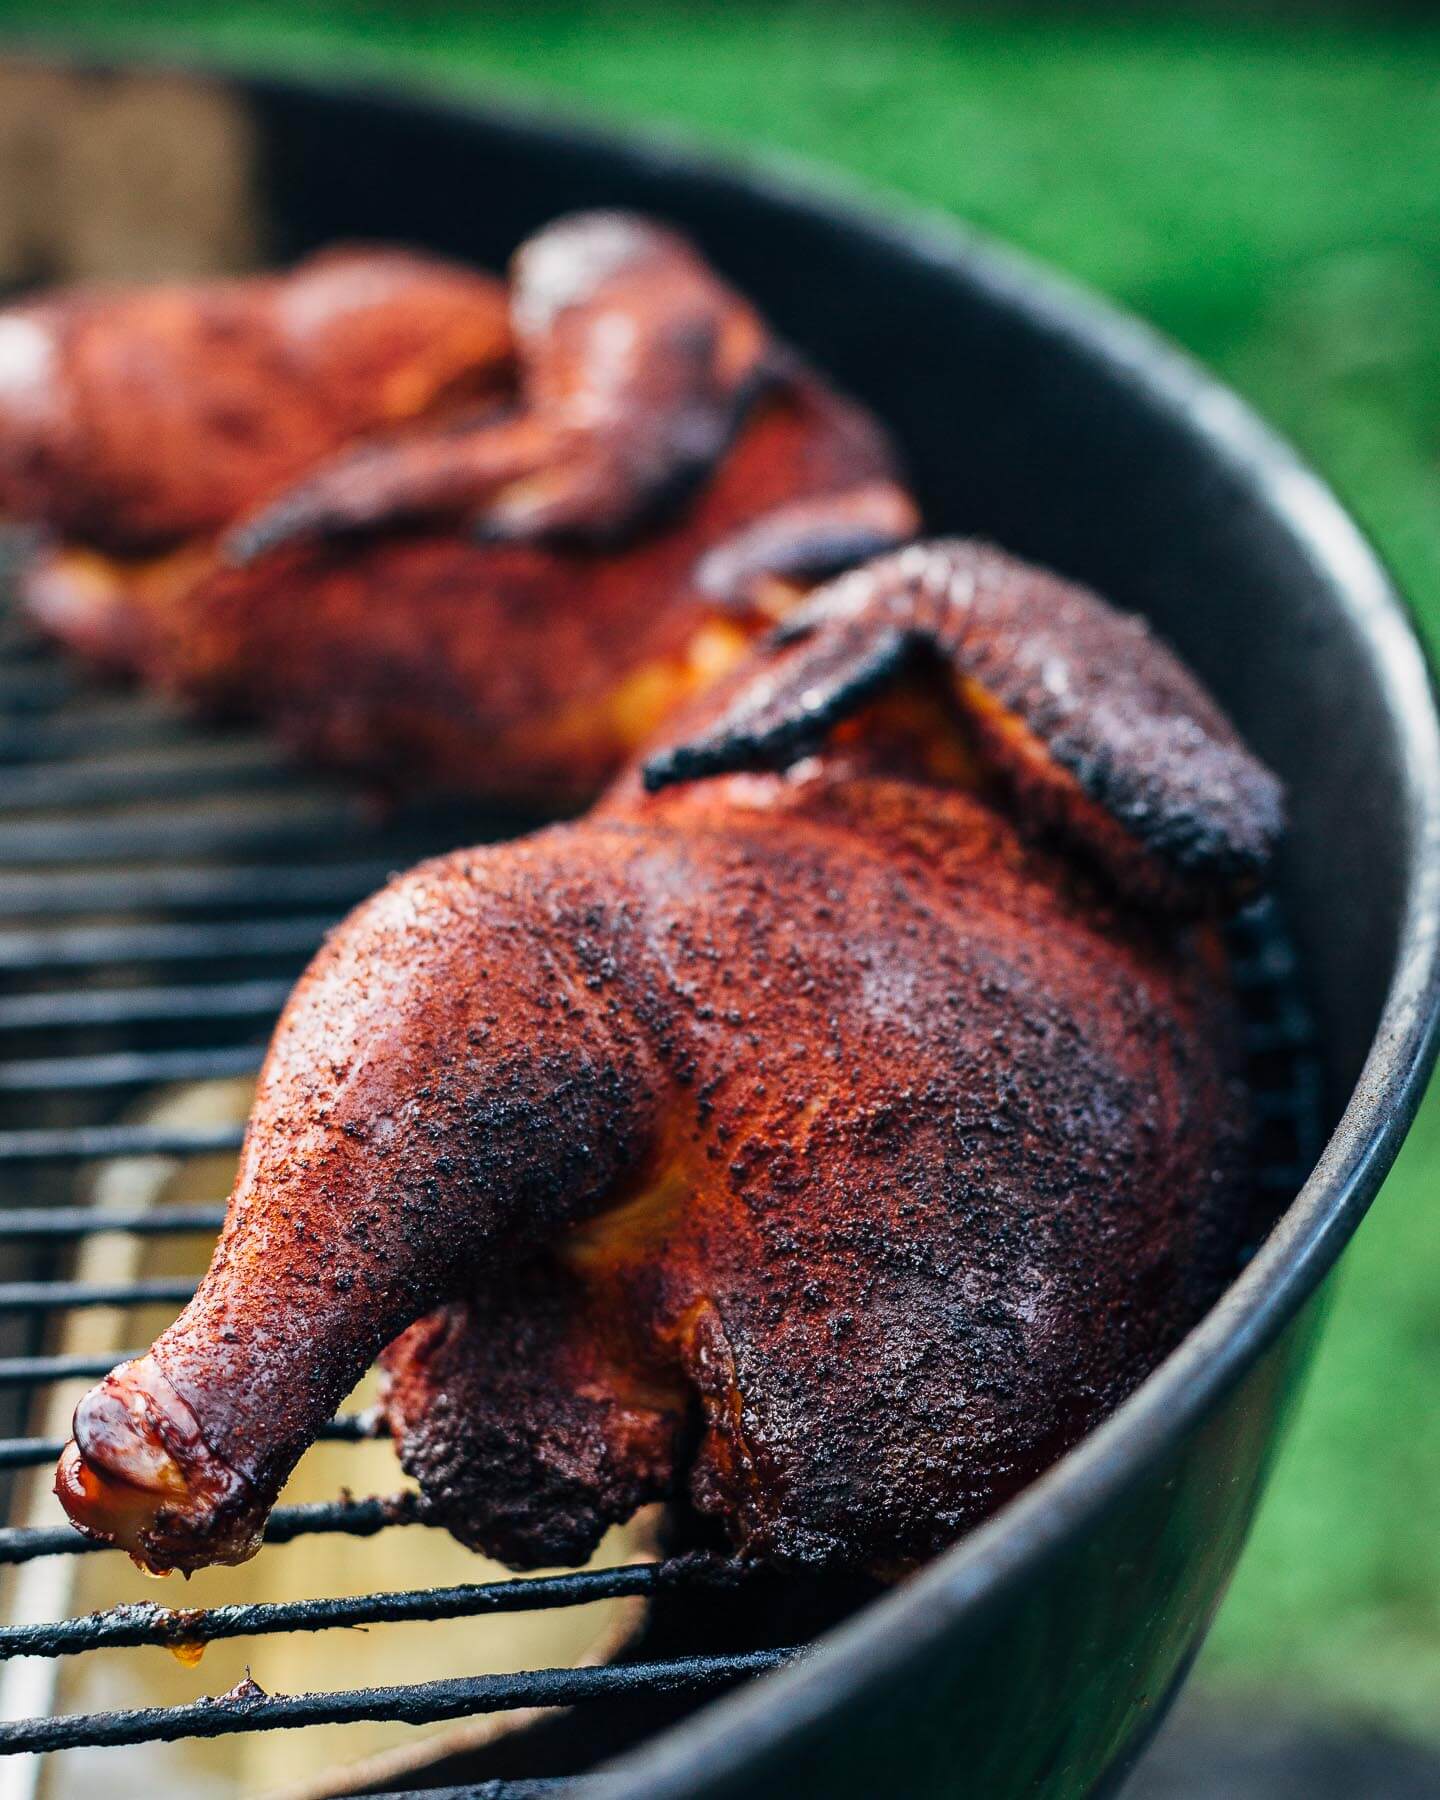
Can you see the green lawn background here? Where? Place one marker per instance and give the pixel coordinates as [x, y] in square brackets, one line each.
[1270, 195]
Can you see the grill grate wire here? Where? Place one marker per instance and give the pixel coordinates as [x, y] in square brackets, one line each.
[246, 863]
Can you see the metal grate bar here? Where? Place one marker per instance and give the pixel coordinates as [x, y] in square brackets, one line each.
[80, 947]
[93, 1143]
[32, 1453]
[222, 767]
[127, 1068]
[249, 1708]
[146, 1624]
[304, 816]
[81, 1221]
[51, 1296]
[138, 1006]
[538, 1787]
[260, 884]
[104, 725]
[349, 1518]
[30, 1371]
[187, 832]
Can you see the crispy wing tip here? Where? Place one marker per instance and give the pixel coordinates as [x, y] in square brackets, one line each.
[1099, 732]
[774, 723]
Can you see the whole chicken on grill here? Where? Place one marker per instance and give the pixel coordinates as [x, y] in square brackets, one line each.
[446, 534]
[828, 1128]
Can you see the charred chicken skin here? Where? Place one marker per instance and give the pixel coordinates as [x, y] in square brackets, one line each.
[829, 1128]
[488, 551]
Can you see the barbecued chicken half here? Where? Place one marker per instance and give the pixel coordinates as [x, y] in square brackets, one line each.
[449, 534]
[830, 1127]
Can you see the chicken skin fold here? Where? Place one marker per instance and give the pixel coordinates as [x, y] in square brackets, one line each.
[829, 1128]
[450, 533]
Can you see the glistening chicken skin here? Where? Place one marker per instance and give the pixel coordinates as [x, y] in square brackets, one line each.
[831, 1126]
[498, 583]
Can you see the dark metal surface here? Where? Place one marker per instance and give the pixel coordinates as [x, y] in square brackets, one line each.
[354, 1518]
[1036, 1657]
[249, 1708]
[128, 1627]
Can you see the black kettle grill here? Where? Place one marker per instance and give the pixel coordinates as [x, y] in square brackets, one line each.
[160, 884]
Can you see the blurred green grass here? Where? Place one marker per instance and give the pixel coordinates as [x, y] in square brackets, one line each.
[1270, 195]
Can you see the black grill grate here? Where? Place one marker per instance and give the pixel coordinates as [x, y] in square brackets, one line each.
[154, 908]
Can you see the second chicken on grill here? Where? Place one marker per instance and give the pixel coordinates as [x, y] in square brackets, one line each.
[446, 534]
